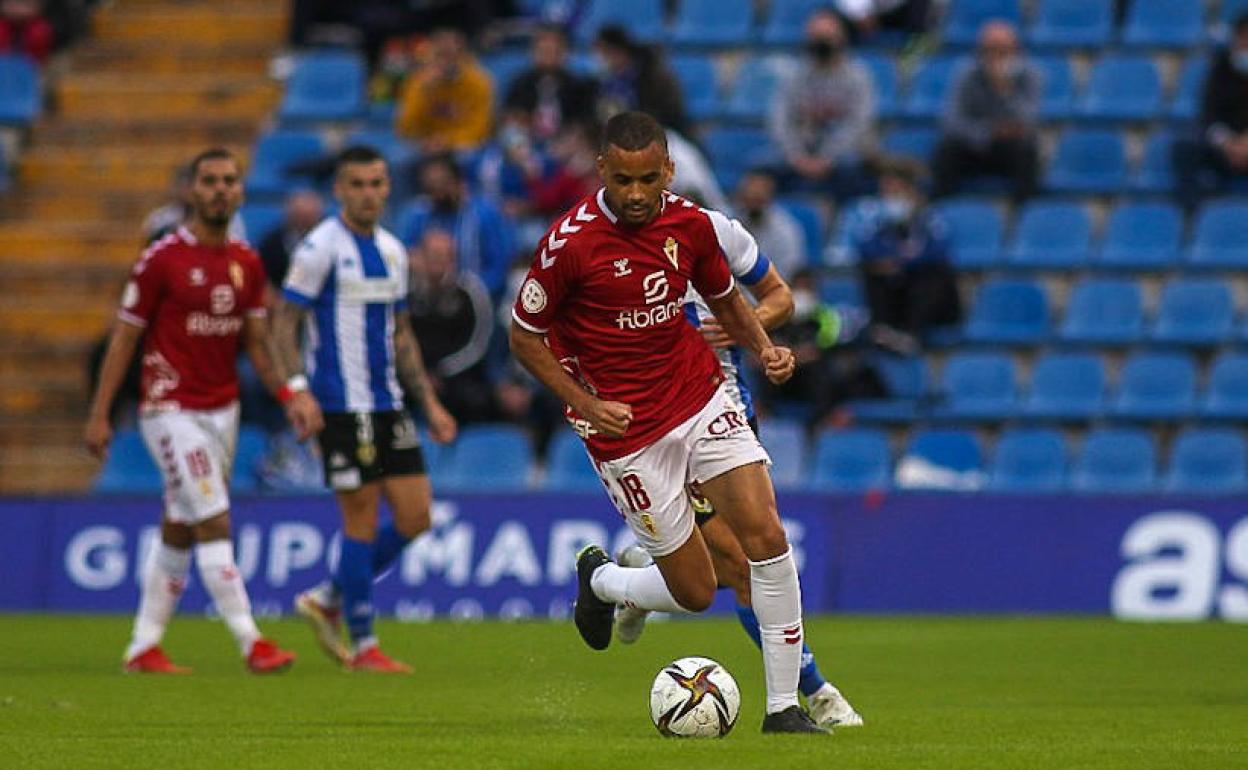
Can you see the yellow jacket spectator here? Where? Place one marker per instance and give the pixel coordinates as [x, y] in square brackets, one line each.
[448, 103]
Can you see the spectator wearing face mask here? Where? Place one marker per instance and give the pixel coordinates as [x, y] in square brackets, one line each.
[902, 250]
[989, 122]
[543, 98]
[1206, 163]
[778, 233]
[633, 76]
[821, 117]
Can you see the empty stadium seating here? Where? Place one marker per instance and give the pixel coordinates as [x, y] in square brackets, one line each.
[1068, 386]
[19, 90]
[1116, 460]
[855, 460]
[1072, 24]
[1029, 460]
[325, 86]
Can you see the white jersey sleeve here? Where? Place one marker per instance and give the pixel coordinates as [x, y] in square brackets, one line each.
[310, 265]
[739, 248]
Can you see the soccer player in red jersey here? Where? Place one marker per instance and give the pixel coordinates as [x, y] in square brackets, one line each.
[600, 321]
[193, 298]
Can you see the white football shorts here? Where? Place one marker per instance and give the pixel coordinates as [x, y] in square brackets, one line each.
[648, 486]
[195, 453]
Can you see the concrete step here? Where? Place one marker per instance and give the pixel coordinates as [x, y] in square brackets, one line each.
[52, 205]
[46, 470]
[70, 246]
[53, 284]
[33, 397]
[32, 322]
[140, 130]
[47, 430]
[105, 168]
[90, 96]
[205, 23]
[162, 59]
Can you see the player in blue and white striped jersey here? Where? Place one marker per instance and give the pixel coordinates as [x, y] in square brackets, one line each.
[348, 281]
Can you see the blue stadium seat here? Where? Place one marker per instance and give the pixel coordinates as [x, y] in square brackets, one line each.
[734, 150]
[274, 154]
[1220, 237]
[1195, 312]
[883, 71]
[712, 23]
[1057, 95]
[1052, 235]
[1029, 460]
[1155, 173]
[488, 457]
[810, 219]
[395, 148]
[1226, 397]
[785, 441]
[1009, 312]
[504, 66]
[129, 467]
[852, 461]
[964, 18]
[1164, 23]
[568, 467]
[1205, 460]
[915, 142]
[1232, 10]
[1185, 105]
[1156, 386]
[841, 291]
[642, 18]
[978, 386]
[1143, 236]
[20, 98]
[905, 377]
[1072, 24]
[696, 74]
[260, 219]
[1066, 386]
[1122, 87]
[786, 21]
[953, 449]
[1116, 460]
[1103, 312]
[976, 231]
[1088, 161]
[930, 86]
[326, 85]
[756, 81]
[253, 444]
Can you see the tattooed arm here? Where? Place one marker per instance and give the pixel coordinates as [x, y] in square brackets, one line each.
[282, 346]
[410, 367]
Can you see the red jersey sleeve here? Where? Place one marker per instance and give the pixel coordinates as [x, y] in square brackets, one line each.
[142, 294]
[550, 277]
[711, 275]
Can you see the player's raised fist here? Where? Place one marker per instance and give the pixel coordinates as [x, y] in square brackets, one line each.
[611, 418]
[98, 435]
[778, 364]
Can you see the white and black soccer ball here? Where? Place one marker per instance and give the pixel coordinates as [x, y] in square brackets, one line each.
[694, 698]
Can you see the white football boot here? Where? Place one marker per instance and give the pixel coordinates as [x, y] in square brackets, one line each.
[830, 709]
[631, 621]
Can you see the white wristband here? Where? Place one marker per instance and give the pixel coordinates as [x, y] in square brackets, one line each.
[297, 384]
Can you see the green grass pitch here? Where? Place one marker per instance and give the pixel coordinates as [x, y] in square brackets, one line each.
[936, 692]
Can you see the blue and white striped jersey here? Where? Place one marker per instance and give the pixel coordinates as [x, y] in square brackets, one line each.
[353, 284]
[749, 267]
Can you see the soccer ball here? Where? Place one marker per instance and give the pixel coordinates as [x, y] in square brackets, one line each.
[694, 698]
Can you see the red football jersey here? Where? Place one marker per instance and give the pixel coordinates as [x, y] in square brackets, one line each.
[610, 300]
[191, 299]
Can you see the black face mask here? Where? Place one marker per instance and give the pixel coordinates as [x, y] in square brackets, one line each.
[754, 215]
[822, 50]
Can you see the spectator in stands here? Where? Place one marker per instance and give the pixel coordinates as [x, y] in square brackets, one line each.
[989, 123]
[544, 97]
[865, 18]
[304, 209]
[694, 178]
[821, 116]
[902, 249]
[448, 102]
[1206, 163]
[453, 320]
[484, 243]
[24, 29]
[778, 233]
[634, 77]
[571, 175]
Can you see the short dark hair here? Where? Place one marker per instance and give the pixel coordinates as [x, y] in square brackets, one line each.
[212, 153]
[633, 131]
[356, 153]
[550, 28]
[903, 167]
[447, 161]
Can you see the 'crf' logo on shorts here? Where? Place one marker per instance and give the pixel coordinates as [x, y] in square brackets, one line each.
[727, 424]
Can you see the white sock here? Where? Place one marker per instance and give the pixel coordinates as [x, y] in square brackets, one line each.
[777, 600]
[641, 587]
[163, 583]
[225, 586]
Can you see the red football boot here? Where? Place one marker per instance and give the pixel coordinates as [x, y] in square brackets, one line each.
[267, 658]
[373, 659]
[153, 661]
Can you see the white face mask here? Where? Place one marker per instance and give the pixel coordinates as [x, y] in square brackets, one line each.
[804, 303]
[897, 208]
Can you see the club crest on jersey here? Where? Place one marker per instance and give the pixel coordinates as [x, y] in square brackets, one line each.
[621, 267]
[236, 275]
[670, 249]
[197, 277]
